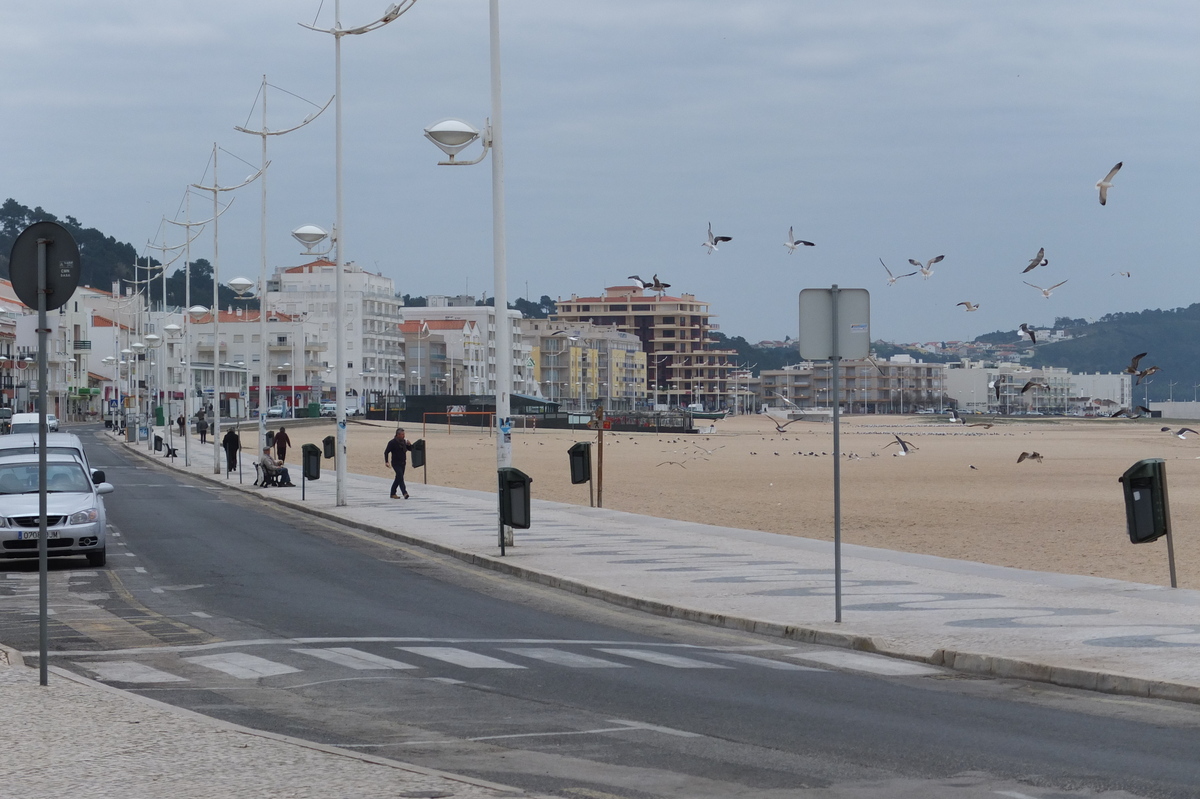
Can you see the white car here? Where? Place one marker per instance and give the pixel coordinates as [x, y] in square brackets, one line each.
[52, 423]
[75, 514]
[276, 412]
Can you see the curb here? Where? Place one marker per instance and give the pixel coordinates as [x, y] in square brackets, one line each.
[965, 662]
[11, 656]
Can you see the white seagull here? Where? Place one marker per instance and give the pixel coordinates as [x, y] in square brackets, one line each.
[637, 281]
[893, 278]
[792, 242]
[968, 305]
[1045, 292]
[1027, 330]
[1181, 432]
[905, 446]
[1038, 260]
[713, 241]
[927, 268]
[1105, 183]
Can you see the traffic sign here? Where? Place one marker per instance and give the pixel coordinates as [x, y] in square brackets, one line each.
[62, 264]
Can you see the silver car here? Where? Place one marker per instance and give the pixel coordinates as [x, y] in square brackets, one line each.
[75, 516]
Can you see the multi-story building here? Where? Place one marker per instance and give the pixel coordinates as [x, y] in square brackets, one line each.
[578, 363]
[899, 385]
[444, 356]
[1000, 387]
[484, 318]
[682, 362]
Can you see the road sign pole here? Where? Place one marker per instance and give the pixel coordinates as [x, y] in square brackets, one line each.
[43, 543]
[835, 357]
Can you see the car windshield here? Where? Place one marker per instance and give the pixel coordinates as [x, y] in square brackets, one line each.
[25, 427]
[22, 478]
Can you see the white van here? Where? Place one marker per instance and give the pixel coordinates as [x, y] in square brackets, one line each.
[56, 444]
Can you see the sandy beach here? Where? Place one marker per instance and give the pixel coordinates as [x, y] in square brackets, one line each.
[1065, 514]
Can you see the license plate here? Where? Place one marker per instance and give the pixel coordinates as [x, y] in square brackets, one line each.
[33, 535]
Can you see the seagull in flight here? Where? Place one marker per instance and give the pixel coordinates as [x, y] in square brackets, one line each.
[1031, 456]
[637, 281]
[1035, 384]
[1146, 373]
[1038, 260]
[792, 242]
[1045, 292]
[1181, 432]
[1027, 330]
[1142, 410]
[1105, 183]
[1122, 274]
[927, 267]
[905, 446]
[713, 241]
[996, 384]
[658, 286]
[1132, 368]
[969, 306]
[893, 278]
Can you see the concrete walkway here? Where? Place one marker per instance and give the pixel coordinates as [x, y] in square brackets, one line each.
[1083, 632]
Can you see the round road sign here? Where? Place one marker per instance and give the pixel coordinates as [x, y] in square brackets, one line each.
[62, 264]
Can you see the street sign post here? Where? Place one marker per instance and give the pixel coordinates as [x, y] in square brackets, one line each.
[834, 324]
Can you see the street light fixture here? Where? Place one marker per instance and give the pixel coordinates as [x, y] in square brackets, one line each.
[337, 32]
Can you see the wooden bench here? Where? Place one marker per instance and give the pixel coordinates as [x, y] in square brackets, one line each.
[271, 479]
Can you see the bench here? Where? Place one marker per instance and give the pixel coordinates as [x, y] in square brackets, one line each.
[271, 479]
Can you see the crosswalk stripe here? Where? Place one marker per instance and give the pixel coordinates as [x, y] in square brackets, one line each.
[559, 657]
[873, 664]
[460, 657]
[241, 665]
[764, 662]
[128, 671]
[354, 658]
[663, 659]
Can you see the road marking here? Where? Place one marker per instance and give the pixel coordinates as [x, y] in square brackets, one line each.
[663, 659]
[128, 671]
[764, 662]
[559, 657]
[874, 664]
[241, 665]
[641, 725]
[460, 657]
[201, 614]
[1014, 794]
[140, 569]
[354, 658]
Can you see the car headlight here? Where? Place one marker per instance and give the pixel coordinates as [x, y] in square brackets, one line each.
[84, 516]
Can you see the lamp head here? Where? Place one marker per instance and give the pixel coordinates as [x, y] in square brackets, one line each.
[309, 235]
[451, 136]
[241, 285]
[197, 310]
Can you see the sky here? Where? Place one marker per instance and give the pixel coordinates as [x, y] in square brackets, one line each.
[879, 129]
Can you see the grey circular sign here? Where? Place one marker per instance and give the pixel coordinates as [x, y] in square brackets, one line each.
[62, 264]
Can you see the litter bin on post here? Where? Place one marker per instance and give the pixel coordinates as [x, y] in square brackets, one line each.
[270, 438]
[514, 498]
[418, 453]
[580, 455]
[158, 442]
[1147, 508]
[330, 444]
[310, 460]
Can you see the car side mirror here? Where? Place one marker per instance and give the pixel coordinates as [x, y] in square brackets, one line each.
[104, 488]
[97, 476]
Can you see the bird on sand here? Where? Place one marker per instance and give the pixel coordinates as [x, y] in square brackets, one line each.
[1146, 373]
[713, 241]
[1032, 456]
[926, 268]
[1105, 183]
[893, 278]
[968, 305]
[905, 446]
[792, 242]
[1181, 432]
[1045, 292]
[1038, 260]
[1027, 330]
[1132, 368]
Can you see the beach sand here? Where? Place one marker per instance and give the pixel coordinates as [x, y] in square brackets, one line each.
[1065, 514]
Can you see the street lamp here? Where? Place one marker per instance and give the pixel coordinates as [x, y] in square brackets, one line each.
[153, 341]
[452, 136]
[339, 231]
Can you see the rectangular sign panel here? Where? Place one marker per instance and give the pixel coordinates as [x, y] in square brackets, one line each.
[853, 324]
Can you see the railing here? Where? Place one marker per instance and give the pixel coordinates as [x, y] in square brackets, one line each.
[82, 345]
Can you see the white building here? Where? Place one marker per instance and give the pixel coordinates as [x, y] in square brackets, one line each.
[484, 317]
[973, 386]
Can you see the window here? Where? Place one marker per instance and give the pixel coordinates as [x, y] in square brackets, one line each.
[239, 338]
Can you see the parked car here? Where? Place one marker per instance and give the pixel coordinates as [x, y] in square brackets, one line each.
[56, 444]
[52, 423]
[75, 514]
[24, 423]
[277, 412]
[329, 409]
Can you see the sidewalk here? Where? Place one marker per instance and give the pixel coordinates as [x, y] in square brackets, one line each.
[1083, 632]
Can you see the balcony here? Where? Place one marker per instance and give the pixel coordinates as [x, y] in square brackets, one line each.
[82, 345]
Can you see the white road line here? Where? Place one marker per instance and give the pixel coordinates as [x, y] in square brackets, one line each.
[764, 662]
[559, 657]
[641, 725]
[128, 671]
[874, 664]
[140, 569]
[460, 657]
[201, 614]
[1014, 794]
[354, 658]
[241, 665]
[663, 659]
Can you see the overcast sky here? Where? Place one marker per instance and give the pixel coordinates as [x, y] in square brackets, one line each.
[894, 130]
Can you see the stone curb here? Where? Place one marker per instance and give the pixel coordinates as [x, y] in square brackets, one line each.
[11, 656]
[968, 663]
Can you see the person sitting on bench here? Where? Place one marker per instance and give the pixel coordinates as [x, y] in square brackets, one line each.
[274, 468]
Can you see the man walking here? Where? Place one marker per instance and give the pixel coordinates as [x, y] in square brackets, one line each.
[397, 449]
[232, 444]
[202, 429]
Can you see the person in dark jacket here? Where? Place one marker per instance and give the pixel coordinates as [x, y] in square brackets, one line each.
[282, 442]
[231, 443]
[397, 450]
[202, 429]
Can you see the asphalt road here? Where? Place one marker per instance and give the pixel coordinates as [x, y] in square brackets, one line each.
[242, 610]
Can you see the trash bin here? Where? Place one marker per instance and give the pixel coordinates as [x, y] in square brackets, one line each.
[580, 456]
[514, 497]
[314, 410]
[1147, 510]
[158, 443]
[130, 434]
[160, 418]
[310, 460]
[418, 453]
[330, 444]
[270, 438]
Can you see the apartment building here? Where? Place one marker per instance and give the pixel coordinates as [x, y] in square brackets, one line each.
[983, 387]
[899, 385]
[484, 319]
[444, 356]
[576, 364]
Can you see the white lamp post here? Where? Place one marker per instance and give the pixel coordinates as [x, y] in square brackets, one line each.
[153, 341]
[339, 231]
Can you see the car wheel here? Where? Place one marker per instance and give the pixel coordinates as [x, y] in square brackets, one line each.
[97, 558]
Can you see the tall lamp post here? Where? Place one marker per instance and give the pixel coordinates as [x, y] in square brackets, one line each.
[339, 231]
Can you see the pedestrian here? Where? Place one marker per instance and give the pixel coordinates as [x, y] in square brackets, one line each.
[397, 449]
[271, 466]
[202, 429]
[282, 442]
[182, 422]
[232, 444]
